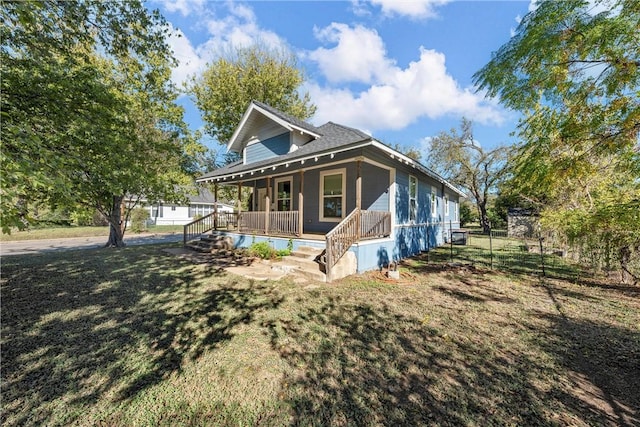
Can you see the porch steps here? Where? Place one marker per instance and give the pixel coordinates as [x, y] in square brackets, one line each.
[305, 262]
[208, 242]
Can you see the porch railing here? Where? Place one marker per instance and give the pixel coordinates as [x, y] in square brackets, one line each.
[374, 224]
[283, 223]
[199, 226]
[357, 225]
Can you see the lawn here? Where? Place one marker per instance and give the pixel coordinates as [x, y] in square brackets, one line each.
[137, 337]
[66, 232]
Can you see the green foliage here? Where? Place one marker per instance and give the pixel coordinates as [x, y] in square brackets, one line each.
[89, 117]
[139, 217]
[468, 214]
[463, 162]
[262, 250]
[82, 216]
[572, 69]
[228, 85]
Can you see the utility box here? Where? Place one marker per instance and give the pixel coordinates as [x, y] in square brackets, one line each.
[459, 237]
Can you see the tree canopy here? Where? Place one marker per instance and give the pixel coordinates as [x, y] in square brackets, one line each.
[459, 158]
[572, 70]
[88, 112]
[227, 86]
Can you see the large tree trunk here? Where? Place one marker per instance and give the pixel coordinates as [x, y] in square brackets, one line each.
[116, 229]
[484, 219]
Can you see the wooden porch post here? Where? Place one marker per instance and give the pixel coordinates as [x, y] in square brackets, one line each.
[215, 206]
[267, 206]
[301, 204]
[358, 196]
[239, 204]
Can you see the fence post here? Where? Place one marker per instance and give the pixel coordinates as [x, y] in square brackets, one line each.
[490, 248]
[541, 253]
[451, 238]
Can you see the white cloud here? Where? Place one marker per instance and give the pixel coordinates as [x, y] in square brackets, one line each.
[358, 56]
[189, 61]
[185, 7]
[397, 97]
[411, 8]
[236, 28]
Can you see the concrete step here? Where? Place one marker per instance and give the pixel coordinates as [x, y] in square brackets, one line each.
[304, 267]
[307, 252]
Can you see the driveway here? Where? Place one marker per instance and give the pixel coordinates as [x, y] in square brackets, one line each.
[47, 245]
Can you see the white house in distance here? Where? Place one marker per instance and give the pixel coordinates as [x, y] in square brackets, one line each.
[200, 205]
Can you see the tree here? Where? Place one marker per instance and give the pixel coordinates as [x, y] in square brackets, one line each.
[88, 111]
[572, 70]
[228, 85]
[459, 158]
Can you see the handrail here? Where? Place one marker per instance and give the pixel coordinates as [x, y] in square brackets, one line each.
[340, 239]
[197, 227]
[359, 224]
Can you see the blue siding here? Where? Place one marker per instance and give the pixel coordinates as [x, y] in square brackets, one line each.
[375, 188]
[267, 149]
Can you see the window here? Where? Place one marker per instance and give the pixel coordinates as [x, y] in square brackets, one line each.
[434, 194]
[413, 198]
[156, 211]
[173, 208]
[456, 212]
[332, 195]
[446, 205]
[201, 210]
[283, 194]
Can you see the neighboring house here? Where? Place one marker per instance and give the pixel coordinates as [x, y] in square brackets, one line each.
[200, 205]
[336, 188]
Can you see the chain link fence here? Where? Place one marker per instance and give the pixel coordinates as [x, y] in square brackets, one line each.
[539, 254]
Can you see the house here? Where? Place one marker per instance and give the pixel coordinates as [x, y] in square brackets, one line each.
[333, 188]
[199, 205]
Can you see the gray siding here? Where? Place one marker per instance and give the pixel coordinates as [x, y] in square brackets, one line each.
[267, 149]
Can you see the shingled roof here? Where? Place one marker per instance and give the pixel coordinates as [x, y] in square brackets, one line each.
[330, 138]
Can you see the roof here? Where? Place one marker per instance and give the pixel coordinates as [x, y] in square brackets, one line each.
[257, 113]
[330, 138]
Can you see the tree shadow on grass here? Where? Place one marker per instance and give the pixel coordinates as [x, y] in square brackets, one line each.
[361, 364]
[109, 325]
[365, 365]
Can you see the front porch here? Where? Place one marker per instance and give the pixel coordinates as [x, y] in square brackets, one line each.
[282, 226]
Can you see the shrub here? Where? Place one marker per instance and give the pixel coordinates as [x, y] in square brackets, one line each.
[82, 217]
[262, 250]
[139, 218]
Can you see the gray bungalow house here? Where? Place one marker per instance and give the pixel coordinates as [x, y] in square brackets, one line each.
[333, 188]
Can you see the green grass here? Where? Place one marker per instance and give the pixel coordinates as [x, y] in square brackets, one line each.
[137, 337]
[508, 254]
[65, 232]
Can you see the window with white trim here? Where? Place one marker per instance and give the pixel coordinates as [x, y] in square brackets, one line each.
[413, 198]
[446, 205]
[434, 196]
[283, 187]
[456, 212]
[332, 194]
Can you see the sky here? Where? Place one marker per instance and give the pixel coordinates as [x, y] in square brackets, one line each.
[398, 70]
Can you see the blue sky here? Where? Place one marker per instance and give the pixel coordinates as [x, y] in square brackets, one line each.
[399, 70]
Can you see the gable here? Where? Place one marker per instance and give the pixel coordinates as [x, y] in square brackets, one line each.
[261, 122]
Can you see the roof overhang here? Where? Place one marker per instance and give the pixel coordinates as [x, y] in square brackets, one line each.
[277, 166]
[246, 127]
